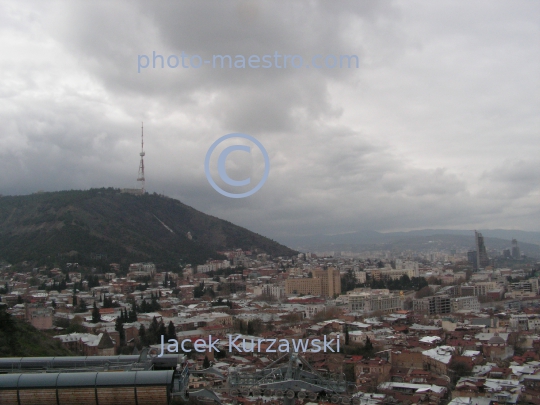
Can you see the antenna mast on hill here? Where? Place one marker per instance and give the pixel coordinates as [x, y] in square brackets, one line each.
[140, 177]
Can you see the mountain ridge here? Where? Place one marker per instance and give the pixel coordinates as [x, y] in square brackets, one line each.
[105, 223]
[417, 240]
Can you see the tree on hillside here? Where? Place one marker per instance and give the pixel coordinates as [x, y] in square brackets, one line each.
[348, 370]
[109, 303]
[81, 307]
[6, 321]
[162, 331]
[459, 369]
[96, 316]
[166, 280]
[119, 327]
[142, 336]
[368, 350]
[424, 292]
[171, 331]
[348, 281]
[75, 325]
[152, 333]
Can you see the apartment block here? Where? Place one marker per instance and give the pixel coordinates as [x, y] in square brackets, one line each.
[530, 285]
[478, 289]
[324, 283]
[437, 304]
[390, 273]
[368, 302]
[465, 303]
[273, 290]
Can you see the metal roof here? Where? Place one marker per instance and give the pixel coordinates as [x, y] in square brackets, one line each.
[76, 380]
[86, 379]
[9, 381]
[16, 363]
[154, 377]
[37, 381]
[109, 379]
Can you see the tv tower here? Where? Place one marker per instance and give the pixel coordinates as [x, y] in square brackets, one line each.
[140, 177]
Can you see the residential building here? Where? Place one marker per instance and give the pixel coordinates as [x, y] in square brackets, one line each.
[324, 283]
[369, 302]
[465, 303]
[436, 304]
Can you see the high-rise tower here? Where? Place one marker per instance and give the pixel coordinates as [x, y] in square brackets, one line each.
[516, 254]
[140, 177]
[482, 259]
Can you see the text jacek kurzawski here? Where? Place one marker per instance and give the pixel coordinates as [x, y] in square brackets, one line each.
[251, 345]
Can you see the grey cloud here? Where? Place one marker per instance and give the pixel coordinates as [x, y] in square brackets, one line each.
[512, 179]
[437, 128]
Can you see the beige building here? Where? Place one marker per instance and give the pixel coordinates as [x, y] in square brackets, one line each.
[370, 302]
[324, 283]
[478, 289]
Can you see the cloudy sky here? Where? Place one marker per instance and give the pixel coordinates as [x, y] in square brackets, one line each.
[437, 127]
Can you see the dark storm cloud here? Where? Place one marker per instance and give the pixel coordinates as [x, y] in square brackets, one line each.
[438, 127]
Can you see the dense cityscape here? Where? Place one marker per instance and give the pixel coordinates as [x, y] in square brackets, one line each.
[438, 328]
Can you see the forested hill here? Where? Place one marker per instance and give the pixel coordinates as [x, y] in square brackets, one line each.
[104, 223]
[20, 339]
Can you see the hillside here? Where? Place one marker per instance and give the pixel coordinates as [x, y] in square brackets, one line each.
[120, 227]
[20, 339]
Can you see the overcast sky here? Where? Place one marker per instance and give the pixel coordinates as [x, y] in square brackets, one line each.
[437, 127]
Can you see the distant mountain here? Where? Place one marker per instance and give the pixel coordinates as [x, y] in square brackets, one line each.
[506, 234]
[419, 240]
[105, 223]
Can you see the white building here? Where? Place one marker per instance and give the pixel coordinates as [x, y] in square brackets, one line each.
[360, 276]
[366, 302]
[272, 290]
[465, 303]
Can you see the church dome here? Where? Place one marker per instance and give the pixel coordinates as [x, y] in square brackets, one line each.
[496, 340]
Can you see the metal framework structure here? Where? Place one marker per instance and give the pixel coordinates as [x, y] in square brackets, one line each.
[289, 380]
[140, 177]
